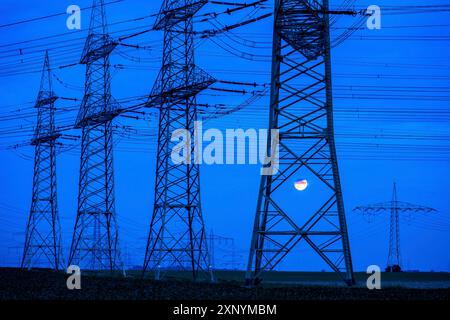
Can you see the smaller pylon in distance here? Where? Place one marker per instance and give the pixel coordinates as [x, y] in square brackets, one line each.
[395, 208]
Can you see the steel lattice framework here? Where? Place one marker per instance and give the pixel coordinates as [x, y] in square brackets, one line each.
[301, 108]
[177, 239]
[95, 243]
[395, 208]
[43, 234]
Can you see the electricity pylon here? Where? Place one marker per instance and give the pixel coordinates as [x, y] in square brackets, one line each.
[95, 243]
[43, 235]
[177, 239]
[395, 208]
[301, 109]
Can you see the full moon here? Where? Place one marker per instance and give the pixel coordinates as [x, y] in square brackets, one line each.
[301, 185]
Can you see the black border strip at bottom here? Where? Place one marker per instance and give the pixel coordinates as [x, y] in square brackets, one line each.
[230, 309]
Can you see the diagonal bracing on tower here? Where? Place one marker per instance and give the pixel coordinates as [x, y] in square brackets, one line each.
[43, 235]
[95, 243]
[301, 108]
[177, 239]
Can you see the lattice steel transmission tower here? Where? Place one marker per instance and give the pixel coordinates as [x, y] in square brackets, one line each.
[395, 208]
[43, 235]
[177, 239]
[301, 108]
[95, 243]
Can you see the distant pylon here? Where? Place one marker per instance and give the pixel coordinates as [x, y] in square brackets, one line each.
[95, 243]
[43, 235]
[394, 234]
[301, 109]
[395, 208]
[177, 239]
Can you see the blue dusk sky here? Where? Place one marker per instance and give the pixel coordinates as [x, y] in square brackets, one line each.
[391, 95]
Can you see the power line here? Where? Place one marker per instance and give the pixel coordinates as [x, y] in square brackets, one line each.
[48, 16]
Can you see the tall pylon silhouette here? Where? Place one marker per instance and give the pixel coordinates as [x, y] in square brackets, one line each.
[95, 243]
[301, 117]
[177, 239]
[43, 235]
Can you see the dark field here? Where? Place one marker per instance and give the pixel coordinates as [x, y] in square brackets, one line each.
[45, 285]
